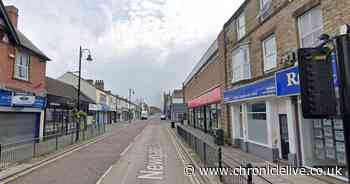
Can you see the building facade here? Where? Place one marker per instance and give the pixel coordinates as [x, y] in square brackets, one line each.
[203, 89]
[263, 93]
[22, 82]
[178, 106]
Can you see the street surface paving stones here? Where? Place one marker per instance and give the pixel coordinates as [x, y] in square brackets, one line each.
[88, 164]
[141, 153]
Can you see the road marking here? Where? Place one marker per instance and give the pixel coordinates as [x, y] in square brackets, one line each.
[154, 168]
[99, 181]
[127, 149]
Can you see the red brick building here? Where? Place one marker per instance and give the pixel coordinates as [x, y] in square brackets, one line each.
[22, 81]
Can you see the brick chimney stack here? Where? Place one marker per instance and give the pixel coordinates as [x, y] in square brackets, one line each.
[12, 12]
[99, 84]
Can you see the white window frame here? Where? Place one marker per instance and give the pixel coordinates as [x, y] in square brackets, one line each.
[241, 29]
[22, 63]
[240, 68]
[265, 8]
[270, 58]
[302, 35]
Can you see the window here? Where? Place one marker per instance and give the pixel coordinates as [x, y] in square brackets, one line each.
[240, 64]
[257, 124]
[310, 28]
[22, 66]
[270, 53]
[240, 26]
[265, 9]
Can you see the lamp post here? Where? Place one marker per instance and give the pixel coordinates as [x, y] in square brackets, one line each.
[89, 58]
[131, 92]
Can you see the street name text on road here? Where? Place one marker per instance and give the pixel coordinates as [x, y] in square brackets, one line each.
[154, 169]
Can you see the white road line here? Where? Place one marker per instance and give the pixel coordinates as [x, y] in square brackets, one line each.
[99, 181]
[127, 149]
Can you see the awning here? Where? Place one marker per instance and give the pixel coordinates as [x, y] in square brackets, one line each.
[211, 97]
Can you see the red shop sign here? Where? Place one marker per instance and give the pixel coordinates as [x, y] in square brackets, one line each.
[211, 97]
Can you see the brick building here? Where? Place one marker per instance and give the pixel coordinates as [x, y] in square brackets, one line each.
[263, 93]
[203, 90]
[178, 107]
[22, 81]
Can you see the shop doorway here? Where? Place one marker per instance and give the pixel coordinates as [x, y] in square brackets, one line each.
[284, 135]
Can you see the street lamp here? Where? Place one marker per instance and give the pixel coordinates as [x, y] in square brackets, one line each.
[89, 58]
[131, 92]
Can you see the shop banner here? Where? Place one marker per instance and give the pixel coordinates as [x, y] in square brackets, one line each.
[211, 97]
[9, 99]
[287, 81]
[258, 89]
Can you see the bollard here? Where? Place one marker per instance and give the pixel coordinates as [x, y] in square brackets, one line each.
[172, 124]
[250, 174]
[220, 161]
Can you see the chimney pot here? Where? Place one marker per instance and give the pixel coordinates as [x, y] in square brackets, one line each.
[12, 12]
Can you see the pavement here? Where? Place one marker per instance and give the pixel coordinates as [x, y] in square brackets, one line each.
[87, 164]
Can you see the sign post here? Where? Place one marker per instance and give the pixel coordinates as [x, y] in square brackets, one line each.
[342, 43]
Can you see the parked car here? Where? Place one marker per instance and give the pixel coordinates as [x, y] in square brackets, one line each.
[144, 115]
[162, 117]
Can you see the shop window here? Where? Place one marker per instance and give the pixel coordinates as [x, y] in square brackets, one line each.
[241, 30]
[270, 53]
[324, 144]
[240, 64]
[257, 124]
[310, 27]
[214, 116]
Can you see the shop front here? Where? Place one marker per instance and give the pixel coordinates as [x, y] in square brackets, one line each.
[256, 115]
[204, 111]
[321, 140]
[21, 116]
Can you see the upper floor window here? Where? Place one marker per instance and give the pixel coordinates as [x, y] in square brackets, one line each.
[270, 53]
[22, 66]
[310, 27]
[265, 9]
[240, 64]
[241, 26]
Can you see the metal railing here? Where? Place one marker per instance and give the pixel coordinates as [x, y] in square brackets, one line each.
[23, 151]
[211, 157]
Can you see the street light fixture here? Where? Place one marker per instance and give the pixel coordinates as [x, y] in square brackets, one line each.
[89, 58]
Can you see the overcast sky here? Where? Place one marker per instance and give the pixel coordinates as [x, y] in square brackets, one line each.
[148, 45]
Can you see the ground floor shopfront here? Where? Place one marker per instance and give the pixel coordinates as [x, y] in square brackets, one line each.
[21, 116]
[267, 120]
[204, 111]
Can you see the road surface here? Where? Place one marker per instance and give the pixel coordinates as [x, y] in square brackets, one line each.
[153, 158]
[143, 152]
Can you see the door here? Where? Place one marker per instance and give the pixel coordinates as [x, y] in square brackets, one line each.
[18, 126]
[284, 136]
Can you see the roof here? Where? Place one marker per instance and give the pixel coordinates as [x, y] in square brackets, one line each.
[26, 43]
[12, 29]
[61, 89]
[19, 38]
[177, 93]
[203, 61]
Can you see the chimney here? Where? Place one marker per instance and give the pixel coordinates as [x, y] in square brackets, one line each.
[99, 84]
[12, 12]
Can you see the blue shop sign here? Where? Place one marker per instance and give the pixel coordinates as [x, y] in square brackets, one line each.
[259, 89]
[10, 99]
[288, 83]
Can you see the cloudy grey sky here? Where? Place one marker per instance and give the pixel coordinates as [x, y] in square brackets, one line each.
[148, 45]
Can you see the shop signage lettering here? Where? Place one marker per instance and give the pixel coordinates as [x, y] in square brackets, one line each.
[7, 99]
[259, 89]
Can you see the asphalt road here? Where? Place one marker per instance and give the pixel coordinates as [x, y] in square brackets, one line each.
[152, 158]
[87, 165]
